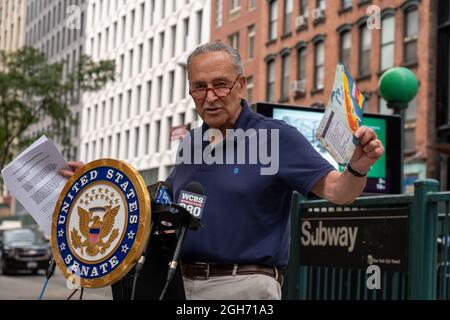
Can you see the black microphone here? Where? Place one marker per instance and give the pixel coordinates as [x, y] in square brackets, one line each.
[193, 200]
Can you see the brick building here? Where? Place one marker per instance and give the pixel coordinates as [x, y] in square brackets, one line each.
[297, 44]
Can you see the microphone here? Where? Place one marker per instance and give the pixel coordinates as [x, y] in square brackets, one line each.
[193, 200]
[159, 193]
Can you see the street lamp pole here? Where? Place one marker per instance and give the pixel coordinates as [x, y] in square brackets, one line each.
[398, 86]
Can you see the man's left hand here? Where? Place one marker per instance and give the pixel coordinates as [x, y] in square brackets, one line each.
[368, 151]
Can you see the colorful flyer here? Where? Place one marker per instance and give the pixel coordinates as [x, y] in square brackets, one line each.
[343, 116]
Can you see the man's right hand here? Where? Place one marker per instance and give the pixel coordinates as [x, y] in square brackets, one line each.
[70, 169]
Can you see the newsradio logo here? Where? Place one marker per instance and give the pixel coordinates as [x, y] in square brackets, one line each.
[192, 202]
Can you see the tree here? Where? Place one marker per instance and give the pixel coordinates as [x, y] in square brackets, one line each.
[31, 89]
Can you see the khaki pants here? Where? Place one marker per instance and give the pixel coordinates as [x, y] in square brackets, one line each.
[239, 287]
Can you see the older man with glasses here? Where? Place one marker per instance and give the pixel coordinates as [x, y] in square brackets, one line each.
[242, 249]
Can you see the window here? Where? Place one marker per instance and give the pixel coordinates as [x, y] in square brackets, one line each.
[111, 110]
[160, 83]
[101, 147]
[251, 42]
[174, 39]
[147, 137]
[304, 7]
[250, 89]
[301, 64]
[345, 4]
[118, 146]
[171, 86]
[199, 26]
[411, 34]
[108, 146]
[233, 40]
[387, 42]
[94, 147]
[161, 47]
[122, 66]
[131, 65]
[152, 12]
[103, 114]
[270, 89]
[219, 13]
[107, 40]
[136, 142]
[251, 5]
[273, 20]
[365, 48]
[133, 14]
[321, 4]
[123, 28]
[149, 95]
[119, 111]
[150, 53]
[186, 33]
[346, 44]
[169, 126]
[140, 53]
[157, 135]
[127, 144]
[142, 20]
[115, 34]
[287, 21]
[319, 59]
[129, 103]
[235, 5]
[163, 9]
[95, 117]
[285, 71]
[138, 100]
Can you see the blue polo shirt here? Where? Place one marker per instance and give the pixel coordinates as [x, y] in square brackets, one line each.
[246, 218]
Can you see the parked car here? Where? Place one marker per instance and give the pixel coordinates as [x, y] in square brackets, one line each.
[23, 249]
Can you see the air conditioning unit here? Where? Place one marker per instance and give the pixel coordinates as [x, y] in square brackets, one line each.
[298, 86]
[318, 13]
[301, 21]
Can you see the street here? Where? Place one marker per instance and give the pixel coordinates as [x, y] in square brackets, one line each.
[28, 287]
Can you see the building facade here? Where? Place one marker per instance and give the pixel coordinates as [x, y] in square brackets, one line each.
[299, 44]
[57, 28]
[12, 24]
[131, 118]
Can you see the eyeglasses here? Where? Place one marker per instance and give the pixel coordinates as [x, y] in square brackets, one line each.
[220, 90]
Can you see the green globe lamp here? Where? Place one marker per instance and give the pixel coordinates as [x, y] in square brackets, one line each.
[398, 86]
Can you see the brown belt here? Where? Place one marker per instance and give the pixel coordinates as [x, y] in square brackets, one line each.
[202, 271]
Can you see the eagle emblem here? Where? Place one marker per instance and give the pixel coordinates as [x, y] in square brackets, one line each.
[94, 230]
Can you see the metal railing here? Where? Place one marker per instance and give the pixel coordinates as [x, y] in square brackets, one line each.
[428, 252]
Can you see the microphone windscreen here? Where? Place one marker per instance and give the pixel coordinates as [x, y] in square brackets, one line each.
[195, 187]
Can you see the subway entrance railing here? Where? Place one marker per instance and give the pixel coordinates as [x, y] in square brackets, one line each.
[406, 236]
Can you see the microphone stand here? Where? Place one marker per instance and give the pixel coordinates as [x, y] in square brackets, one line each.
[166, 217]
[174, 263]
[141, 262]
[48, 275]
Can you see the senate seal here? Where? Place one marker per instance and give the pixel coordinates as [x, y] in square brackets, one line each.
[101, 223]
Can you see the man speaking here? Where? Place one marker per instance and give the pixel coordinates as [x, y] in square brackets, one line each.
[242, 248]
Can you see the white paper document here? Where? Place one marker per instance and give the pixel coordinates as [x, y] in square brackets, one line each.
[32, 178]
